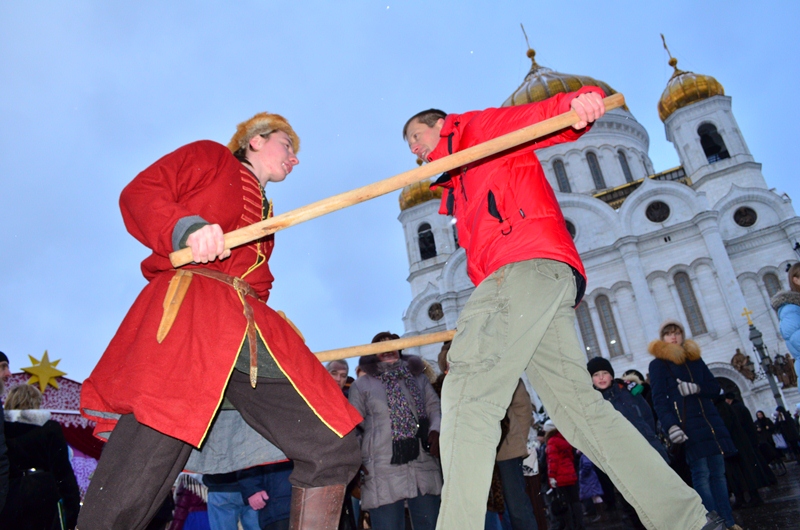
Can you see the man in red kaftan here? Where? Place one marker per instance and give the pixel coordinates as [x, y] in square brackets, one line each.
[203, 335]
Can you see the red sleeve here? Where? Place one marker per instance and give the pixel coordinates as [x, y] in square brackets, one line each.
[496, 122]
[151, 203]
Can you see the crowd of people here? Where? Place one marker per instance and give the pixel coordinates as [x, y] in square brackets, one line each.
[396, 441]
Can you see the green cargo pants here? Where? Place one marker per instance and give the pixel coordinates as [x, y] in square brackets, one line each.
[521, 318]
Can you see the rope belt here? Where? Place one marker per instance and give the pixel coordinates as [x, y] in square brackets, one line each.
[244, 289]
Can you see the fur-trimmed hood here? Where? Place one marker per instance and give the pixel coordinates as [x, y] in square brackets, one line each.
[785, 297]
[30, 416]
[673, 353]
[369, 364]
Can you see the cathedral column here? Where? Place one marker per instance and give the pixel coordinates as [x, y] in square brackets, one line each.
[729, 286]
[645, 304]
[623, 337]
[598, 328]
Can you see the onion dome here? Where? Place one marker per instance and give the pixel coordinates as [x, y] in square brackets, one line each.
[685, 88]
[418, 193]
[542, 83]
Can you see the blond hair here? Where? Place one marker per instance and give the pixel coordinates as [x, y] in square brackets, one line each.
[23, 397]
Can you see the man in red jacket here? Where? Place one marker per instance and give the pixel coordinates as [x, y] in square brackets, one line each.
[203, 334]
[521, 317]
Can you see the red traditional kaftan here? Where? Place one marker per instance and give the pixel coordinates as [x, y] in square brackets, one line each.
[176, 387]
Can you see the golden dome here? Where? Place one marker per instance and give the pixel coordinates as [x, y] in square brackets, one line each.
[685, 88]
[542, 83]
[418, 193]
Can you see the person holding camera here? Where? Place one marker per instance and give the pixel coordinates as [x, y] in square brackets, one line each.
[399, 440]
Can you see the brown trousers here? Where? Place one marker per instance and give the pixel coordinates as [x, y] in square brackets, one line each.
[139, 465]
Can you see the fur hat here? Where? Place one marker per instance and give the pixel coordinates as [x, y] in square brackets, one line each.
[634, 376]
[597, 364]
[262, 123]
[549, 426]
[3, 358]
[670, 322]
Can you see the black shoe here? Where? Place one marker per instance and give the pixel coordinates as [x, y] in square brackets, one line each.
[715, 522]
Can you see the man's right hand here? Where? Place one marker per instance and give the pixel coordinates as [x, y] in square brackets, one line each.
[257, 501]
[207, 244]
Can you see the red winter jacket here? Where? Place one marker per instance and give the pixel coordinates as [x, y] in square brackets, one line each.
[560, 460]
[504, 207]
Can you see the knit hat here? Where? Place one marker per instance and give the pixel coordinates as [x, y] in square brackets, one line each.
[549, 426]
[3, 357]
[670, 322]
[262, 123]
[597, 364]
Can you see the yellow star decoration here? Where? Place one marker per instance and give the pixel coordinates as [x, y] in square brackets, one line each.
[43, 372]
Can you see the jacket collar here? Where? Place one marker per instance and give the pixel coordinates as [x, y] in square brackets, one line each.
[782, 298]
[33, 417]
[673, 353]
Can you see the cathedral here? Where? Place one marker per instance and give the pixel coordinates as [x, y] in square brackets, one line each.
[701, 243]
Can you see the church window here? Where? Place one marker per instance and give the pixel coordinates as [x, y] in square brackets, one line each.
[561, 177]
[689, 302]
[435, 312]
[772, 283]
[427, 244]
[745, 217]
[657, 211]
[712, 143]
[609, 326]
[587, 331]
[594, 167]
[455, 236]
[626, 169]
[571, 229]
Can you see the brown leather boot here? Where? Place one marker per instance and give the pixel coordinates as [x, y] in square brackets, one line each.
[316, 508]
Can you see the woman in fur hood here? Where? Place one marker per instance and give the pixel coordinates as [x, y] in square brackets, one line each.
[683, 393]
[787, 304]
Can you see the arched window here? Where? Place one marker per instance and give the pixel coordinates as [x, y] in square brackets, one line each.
[587, 331]
[561, 177]
[626, 169]
[689, 302]
[609, 326]
[427, 245]
[597, 175]
[455, 236]
[772, 283]
[713, 144]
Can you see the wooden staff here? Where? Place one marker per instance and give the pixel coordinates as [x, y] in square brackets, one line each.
[385, 346]
[349, 198]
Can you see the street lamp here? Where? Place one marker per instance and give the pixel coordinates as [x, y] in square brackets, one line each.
[766, 362]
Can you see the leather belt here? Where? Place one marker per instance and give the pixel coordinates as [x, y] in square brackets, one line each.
[178, 286]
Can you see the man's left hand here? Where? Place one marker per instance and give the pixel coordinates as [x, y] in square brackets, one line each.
[433, 441]
[589, 107]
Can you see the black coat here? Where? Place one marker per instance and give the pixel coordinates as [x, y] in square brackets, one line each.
[3, 463]
[43, 448]
[746, 471]
[637, 411]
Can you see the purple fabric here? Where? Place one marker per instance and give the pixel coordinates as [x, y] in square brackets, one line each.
[404, 424]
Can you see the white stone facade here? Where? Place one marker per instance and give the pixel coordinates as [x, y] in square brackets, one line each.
[638, 269]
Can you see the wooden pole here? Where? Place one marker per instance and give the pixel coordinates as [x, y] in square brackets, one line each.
[385, 346]
[376, 189]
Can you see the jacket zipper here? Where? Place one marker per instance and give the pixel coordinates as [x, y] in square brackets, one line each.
[703, 411]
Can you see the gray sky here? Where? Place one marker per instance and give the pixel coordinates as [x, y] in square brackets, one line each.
[91, 93]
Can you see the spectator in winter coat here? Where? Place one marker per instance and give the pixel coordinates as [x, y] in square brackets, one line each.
[401, 413]
[40, 470]
[765, 429]
[787, 304]
[784, 424]
[589, 489]
[632, 406]
[563, 477]
[683, 393]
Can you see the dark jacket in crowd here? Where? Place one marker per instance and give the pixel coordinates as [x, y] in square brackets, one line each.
[39, 470]
[746, 471]
[695, 414]
[637, 411]
[3, 462]
[274, 479]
